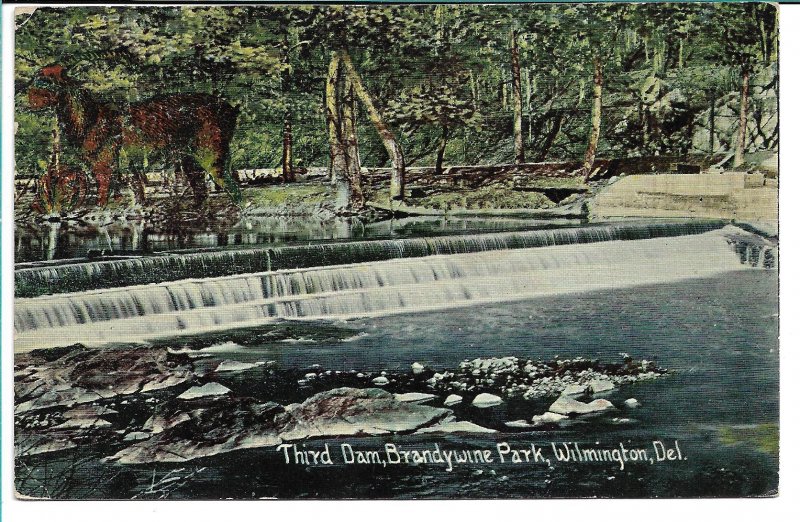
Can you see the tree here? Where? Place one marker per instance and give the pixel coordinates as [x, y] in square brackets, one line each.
[748, 37]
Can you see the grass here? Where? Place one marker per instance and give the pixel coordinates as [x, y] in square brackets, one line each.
[574, 182]
[288, 195]
[490, 197]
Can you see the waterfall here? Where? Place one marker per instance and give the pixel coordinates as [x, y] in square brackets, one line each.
[54, 279]
[378, 287]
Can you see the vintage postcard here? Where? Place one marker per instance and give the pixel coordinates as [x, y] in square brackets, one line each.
[395, 251]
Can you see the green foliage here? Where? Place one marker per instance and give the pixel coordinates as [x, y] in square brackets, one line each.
[434, 71]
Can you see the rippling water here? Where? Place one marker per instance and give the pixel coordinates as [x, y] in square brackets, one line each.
[718, 335]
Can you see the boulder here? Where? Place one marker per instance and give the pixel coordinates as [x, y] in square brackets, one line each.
[236, 366]
[574, 389]
[548, 417]
[380, 381]
[217, 427]
[414, 397]
[455, 427]
[520, 423]
[632, 403]
[453, 399]
[569, 406]
[486, 400]
[417, 368]
[211, 389]
[600, 385]
[354, 411]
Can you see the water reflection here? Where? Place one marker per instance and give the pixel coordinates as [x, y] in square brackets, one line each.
[70, 239]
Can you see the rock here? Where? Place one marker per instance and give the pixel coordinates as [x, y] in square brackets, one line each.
[82, 376]
[236, 366]
[600, 385]
[217, 427]
[520, 423]
[548, 417]
[417, 368]
[380, 381]
[38, 445]
[620, 420]
[414, 397]
[574, 389]
[160, 422]
[453, 399]
[486, 400]
[568, 406]
[136, 436]
[353, 411]
[84, 423]
[207, 390]
[455, 427]
[632, 403]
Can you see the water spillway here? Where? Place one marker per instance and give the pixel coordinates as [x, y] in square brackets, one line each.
[399, 285]
[75, 277]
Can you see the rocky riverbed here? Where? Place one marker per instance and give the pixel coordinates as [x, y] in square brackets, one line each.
[149, 404]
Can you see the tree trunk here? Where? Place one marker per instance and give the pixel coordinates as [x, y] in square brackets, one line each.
[286, 159]
[440, 151]
[352, 158]
[712, 123]
[516, 83]
[551, 136]
[397, 184]
[741, 138]
[597, 106]
[338, 165]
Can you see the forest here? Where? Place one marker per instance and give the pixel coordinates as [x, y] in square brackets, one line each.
[350, 89]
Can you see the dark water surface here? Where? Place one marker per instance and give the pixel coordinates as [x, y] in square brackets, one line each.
[69, 240]
[719, 336]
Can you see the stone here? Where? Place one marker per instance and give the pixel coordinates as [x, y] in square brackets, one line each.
[574, 389]
[569, 406]
[455, 427]
[136, 436]
[548, 417]
[417, 368]
[236, 366]
[414, 397]
[453, 399]
[354, 411]
[210, 389]
[632, 403]
[380, 381]
[520, 423]
[218, 427]
[600, 385]
[486, 400]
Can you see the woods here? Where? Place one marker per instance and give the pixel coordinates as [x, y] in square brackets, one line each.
[353, 88]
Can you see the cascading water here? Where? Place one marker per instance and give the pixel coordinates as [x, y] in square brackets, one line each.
[404, 284]
[48, 279]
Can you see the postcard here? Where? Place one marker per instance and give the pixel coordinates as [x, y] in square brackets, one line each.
[403, 251]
